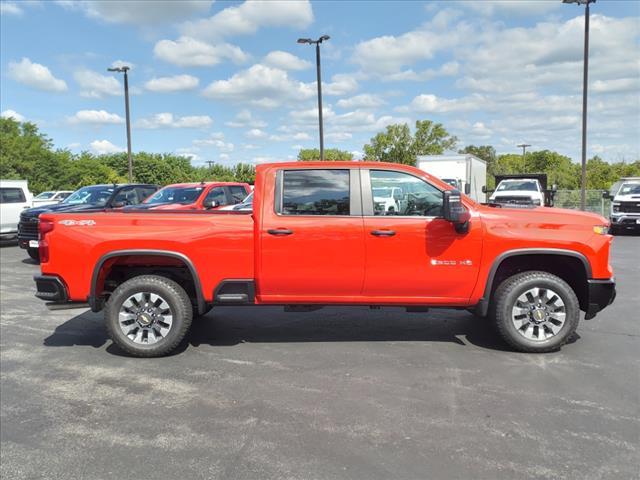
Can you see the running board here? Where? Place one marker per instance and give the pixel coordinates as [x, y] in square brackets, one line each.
[66, 305]
[232, 298]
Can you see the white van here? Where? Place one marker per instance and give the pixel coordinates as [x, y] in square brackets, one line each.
[14, 197]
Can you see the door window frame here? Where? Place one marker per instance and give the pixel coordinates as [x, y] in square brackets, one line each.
[355, 193]
[367, 194]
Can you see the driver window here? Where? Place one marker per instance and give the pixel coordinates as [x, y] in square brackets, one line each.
[217, 194]
[127, 195]
[401, 194]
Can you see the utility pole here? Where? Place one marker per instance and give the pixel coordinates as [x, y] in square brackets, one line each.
[210, 162]
[524, 153]
[319, 80]
[585, 82]
[125, 69]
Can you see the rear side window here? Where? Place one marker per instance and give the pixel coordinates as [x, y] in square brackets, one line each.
[238, 193]
[145, 192]
[315, 192]
[12, 195]
[217, 195]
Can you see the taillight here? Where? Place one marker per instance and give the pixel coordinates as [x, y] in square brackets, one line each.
[44, 227]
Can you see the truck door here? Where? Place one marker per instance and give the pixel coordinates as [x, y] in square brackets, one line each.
[312, 242]
[414, 254]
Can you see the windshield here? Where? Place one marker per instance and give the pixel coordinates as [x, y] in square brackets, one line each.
[629, 189]
[512, 185]
[382, 192]
[182, 195]
[45, 195]
[98, 196]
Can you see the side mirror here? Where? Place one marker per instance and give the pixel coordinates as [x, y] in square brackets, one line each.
[484, 189]
[606, 195]
[208, 203]
[119, 204]
[467, 188]
[454, 211]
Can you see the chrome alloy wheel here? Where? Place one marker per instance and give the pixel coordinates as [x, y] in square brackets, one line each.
[538, 314]
[145, 318]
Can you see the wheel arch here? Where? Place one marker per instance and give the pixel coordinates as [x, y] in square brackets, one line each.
[108, 260]
[571, 266]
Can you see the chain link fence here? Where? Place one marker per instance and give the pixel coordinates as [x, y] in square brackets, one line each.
[594, 201]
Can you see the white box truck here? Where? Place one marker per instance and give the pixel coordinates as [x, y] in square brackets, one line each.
[466, 172]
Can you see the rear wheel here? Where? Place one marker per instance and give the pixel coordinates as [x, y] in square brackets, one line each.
[148, 315]
[536, 312]
[34, 253]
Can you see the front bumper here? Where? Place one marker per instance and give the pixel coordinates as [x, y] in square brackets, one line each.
[622, 220]
[51, 289]
[601, 293]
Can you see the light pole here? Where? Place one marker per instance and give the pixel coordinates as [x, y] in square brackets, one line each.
[524, 153]
[125, 69]
[319, 76]
[585, 77]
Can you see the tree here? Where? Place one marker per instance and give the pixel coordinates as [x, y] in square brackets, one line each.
[396, 144]
[330, 154]
[483, 152]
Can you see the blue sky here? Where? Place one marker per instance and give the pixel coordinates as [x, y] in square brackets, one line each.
[226, 81]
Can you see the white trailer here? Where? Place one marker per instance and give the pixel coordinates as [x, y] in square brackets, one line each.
[466, 172]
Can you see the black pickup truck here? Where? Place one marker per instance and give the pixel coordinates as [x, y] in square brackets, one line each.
[94, 197]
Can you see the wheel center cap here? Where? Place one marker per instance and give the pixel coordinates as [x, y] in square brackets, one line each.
[538, 315]
[144, 319]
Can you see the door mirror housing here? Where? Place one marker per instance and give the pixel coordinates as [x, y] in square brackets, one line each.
[454, 211]
[606, 195]
[208, 203]
[484, 189]
[467, 188]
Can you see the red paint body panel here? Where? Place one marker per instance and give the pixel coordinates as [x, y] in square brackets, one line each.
[327, 259]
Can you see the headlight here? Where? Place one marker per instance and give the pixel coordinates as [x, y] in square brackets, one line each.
[600, 229]
[536, 201]
[616, 206]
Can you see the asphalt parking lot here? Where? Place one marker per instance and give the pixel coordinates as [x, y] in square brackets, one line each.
[336, 393]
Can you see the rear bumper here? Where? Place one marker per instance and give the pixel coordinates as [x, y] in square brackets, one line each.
[602, 293]
[51, 289]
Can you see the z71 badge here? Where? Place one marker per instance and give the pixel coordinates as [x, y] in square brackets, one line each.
[77, 223]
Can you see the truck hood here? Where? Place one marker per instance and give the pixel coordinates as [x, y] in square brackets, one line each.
[627, 198]
[59, 207]
[516, 193]
[542, 217]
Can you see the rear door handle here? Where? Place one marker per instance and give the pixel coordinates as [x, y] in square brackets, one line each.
[383, 233]
[279, 231]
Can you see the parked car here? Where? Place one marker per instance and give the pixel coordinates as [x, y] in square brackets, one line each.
[196, 196]
[625, 205]
[50, 197]
[14, 197]
[95, 197]
[523, 190]
[314, 239]
[245, 206]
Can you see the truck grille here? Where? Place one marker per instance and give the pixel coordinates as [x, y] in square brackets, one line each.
[629, 207]
[28, 228]
[514, 200]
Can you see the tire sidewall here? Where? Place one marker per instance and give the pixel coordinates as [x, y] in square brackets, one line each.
[565, 293]
[178, 310]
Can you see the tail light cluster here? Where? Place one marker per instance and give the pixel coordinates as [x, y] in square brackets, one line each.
[45, 227]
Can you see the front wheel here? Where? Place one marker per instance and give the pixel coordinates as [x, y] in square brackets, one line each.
[148, 316]
[34, 254]
[535, 312]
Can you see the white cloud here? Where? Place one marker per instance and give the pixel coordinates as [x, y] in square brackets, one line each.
[189, 153]
[366, 100]
[74, 145]
[247, 18]
[341, 84]
[338, 136]
[525, 8]
[10, 8]
[216, 140]
[244, 119]
[12, 114]
[446, 70]
[189, 52]
[36, 76]
[94, 85]
[616, 85]
[428, 103]
[102, 147]
[285, 61]
[255, 133]
[300, 136]
[261, 86]
[149, 12]
[95, 117]
[172, 84]
[167, 120]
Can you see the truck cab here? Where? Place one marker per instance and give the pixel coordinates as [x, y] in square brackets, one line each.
[625, 205]
[519, 192]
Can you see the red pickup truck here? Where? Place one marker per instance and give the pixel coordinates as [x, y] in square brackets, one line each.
[329, 234]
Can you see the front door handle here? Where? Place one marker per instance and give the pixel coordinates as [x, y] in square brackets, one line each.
[383, 233]
[279, 231]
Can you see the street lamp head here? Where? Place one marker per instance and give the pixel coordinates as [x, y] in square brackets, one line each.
[579, 2]
[304, 40]
[323, 38]
[118, 69]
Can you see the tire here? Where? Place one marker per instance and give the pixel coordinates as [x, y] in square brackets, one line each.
[34, 254]
[148, 316]
[535, 323]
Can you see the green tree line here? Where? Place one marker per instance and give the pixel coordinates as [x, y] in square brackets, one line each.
[26, 153]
